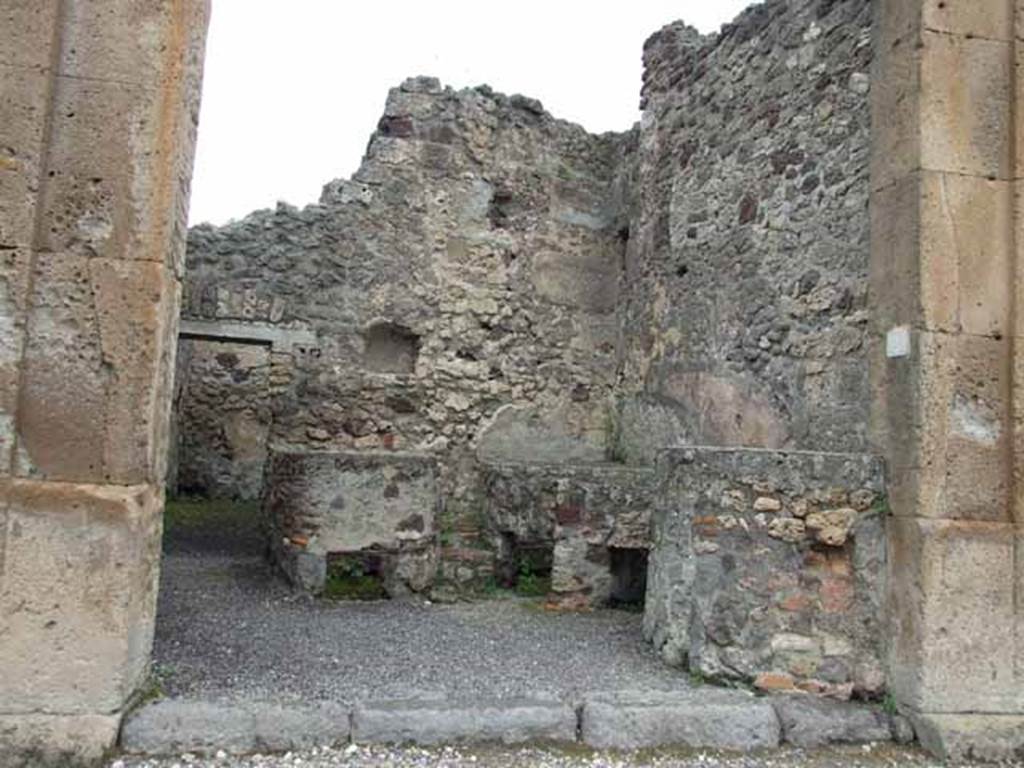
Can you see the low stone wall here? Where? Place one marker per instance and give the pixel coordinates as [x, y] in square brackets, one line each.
[593, 519]
[768, 566]
[376, 509]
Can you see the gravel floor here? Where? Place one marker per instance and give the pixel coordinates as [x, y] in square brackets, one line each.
[227, 628]
[379, 757]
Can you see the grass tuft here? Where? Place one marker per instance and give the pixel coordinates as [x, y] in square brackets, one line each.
[347, 579]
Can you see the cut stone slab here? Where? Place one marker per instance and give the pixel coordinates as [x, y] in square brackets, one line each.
[180, 725]
[35, 741]
[508, 721]
[813, 722]
[67, 613]
[902, 730]
[707, 718]
[987, 738]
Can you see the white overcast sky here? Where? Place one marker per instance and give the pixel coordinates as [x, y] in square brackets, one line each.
[294, 88]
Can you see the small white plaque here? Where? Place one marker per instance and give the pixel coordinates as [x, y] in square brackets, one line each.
[897, 342]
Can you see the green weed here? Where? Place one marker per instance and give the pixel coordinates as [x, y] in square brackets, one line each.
[347, 579]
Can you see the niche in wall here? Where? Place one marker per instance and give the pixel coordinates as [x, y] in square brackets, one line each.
[390, 348]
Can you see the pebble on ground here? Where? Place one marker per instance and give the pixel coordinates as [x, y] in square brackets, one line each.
[356, 756]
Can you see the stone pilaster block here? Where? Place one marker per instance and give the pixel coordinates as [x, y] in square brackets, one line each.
[148, 43]
[966, 116]
[943, 408]
[41, 741]
[991, 19]
[966, 253]
[895, 92]
[24, 103]
[941, 100]
[30, 28]
[95, 389]
[942, 254]
[953, 617]
[973, 737]
[78, 577]
[111, 180]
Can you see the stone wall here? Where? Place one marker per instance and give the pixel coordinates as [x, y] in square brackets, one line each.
[743, 308]
[462, 287]
[471, 263]
[745, 302]
[769, 567]
[543, 311]
[745, 323]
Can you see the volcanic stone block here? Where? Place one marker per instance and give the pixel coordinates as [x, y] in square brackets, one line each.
[328, 503]
[32, 741]
[808, 721]
[954, 616]
[965, 111]
[77, 594]
[972, 737]
[992, 20]
[23, 111]
[95, 388]
[443, 722]
[32, 41]
[26, 99]
[946, 243]
[944, 98]
[698, 718]
[179, 725]
[943, 413]
[94, 203]
[769, 564]
[120, 44]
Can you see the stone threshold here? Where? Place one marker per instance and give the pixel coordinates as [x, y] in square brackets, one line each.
[710, 718]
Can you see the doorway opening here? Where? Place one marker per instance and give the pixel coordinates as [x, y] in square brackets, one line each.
[221, 419]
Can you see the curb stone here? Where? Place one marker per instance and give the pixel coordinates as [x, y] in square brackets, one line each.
[702, 718]
[708, 718]
[902, 729]
[508, 721]
[180, 725]
[808, 721]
